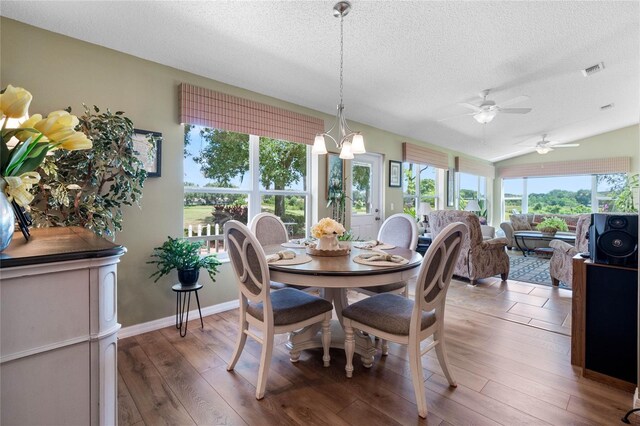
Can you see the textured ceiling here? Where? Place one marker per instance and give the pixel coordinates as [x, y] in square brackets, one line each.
[407, 64]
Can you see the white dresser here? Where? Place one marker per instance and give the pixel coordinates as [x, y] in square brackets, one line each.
[58, 329]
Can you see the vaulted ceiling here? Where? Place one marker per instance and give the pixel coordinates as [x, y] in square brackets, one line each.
[407, 65]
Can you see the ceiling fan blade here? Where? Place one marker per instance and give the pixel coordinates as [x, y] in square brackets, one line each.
[568, 145]
[515, 110]
[457, 116]
[515, 100]
[475, 108]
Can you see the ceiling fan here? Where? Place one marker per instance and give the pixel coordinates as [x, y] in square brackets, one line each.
[543, 146]
[488, 109]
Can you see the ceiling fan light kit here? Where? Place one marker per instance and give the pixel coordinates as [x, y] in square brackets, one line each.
[544, 147]
[487, 110]
[348, 141]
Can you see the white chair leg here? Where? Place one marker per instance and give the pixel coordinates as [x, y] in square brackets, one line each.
[265, 362]
[242, 339]
[405, 292]
[441, 352]
[417, 376]
[384, 346]
[349, 346]
[326, 339]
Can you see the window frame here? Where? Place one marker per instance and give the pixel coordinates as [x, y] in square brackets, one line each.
[415, 169]
[254, 193]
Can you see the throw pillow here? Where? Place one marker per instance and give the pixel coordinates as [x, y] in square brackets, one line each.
[519, 222]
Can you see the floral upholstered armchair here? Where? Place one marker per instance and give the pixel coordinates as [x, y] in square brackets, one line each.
[561, 266]
[478, 258]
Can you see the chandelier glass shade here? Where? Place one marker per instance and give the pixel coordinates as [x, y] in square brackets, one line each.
[348, 141]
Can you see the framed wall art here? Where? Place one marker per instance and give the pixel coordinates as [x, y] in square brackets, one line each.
[395, 174]
[148, 147]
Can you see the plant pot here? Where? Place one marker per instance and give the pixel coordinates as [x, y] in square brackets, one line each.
[188, 276]
[549, 231]
[329, 242]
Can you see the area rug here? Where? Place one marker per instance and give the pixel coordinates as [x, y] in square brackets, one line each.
[530, 269]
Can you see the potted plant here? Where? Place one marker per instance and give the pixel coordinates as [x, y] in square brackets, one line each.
[551, 225]
[184, 256]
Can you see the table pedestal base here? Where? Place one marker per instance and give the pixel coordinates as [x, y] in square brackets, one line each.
[310, 338]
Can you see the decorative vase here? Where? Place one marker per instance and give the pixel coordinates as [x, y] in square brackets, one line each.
[188, 276]
[7, 218]
[328, 242]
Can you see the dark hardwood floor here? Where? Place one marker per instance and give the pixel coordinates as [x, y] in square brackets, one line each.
[508, 373]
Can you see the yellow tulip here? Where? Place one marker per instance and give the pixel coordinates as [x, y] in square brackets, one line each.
[58, 125]
[14, 102]
[29, 123]
[75, 142]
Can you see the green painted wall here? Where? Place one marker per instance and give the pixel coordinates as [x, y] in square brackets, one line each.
[60, 71]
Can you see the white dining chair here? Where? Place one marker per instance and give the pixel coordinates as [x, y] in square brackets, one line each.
[409, 322]
[400, 230]
[277, 312]
[269, 229]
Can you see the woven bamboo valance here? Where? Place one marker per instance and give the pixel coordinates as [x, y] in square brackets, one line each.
[205, 107]
[422, 155]
[594, 166]
[474, 167]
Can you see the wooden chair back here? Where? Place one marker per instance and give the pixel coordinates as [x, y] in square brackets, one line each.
[269, 229]
[400, 230]
[249, 263]
[437, 269]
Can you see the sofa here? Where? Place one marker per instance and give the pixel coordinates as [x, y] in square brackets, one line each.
[528, 222]
[561, 265]
[478, 258]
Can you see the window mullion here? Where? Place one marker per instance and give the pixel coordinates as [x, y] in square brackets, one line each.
[254, 165]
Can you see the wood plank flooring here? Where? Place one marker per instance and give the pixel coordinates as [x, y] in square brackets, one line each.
[510, 368]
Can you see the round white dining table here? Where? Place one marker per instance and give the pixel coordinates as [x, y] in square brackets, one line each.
[335, 275]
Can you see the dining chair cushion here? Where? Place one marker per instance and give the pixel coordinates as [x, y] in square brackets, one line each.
[390, 313]
[290, 306]
[274, 285]
[386, 288]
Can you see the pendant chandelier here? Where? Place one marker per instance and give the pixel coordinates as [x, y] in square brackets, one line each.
[348, 141]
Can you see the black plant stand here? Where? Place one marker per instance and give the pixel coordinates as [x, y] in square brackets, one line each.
[183, 297]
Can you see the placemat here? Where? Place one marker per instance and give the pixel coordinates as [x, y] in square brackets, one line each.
[382, 246]
[292, 245]
[362, 261]
[298, 260]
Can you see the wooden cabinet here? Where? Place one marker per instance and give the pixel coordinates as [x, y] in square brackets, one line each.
[605, 322]
[58, 329]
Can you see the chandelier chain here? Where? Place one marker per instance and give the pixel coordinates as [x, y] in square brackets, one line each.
[341, 54]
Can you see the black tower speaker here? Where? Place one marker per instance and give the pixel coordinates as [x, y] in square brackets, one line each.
[613, 239]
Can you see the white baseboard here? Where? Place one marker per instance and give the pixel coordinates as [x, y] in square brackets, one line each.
[145, 327]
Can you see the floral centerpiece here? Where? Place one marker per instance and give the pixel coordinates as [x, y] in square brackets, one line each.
[25, 141]
[327, 232]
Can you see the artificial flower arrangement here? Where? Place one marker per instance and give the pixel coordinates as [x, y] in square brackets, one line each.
[23, 147]
[327, 227]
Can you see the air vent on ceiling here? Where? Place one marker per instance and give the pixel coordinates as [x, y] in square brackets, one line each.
[606, 107]
[593, 69]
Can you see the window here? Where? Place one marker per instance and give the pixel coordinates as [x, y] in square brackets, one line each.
[563, 194]
[419, 184]
[230, 175]
[513, 196]
[471, 187]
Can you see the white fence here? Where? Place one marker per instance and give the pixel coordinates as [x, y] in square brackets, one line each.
[212, 242]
